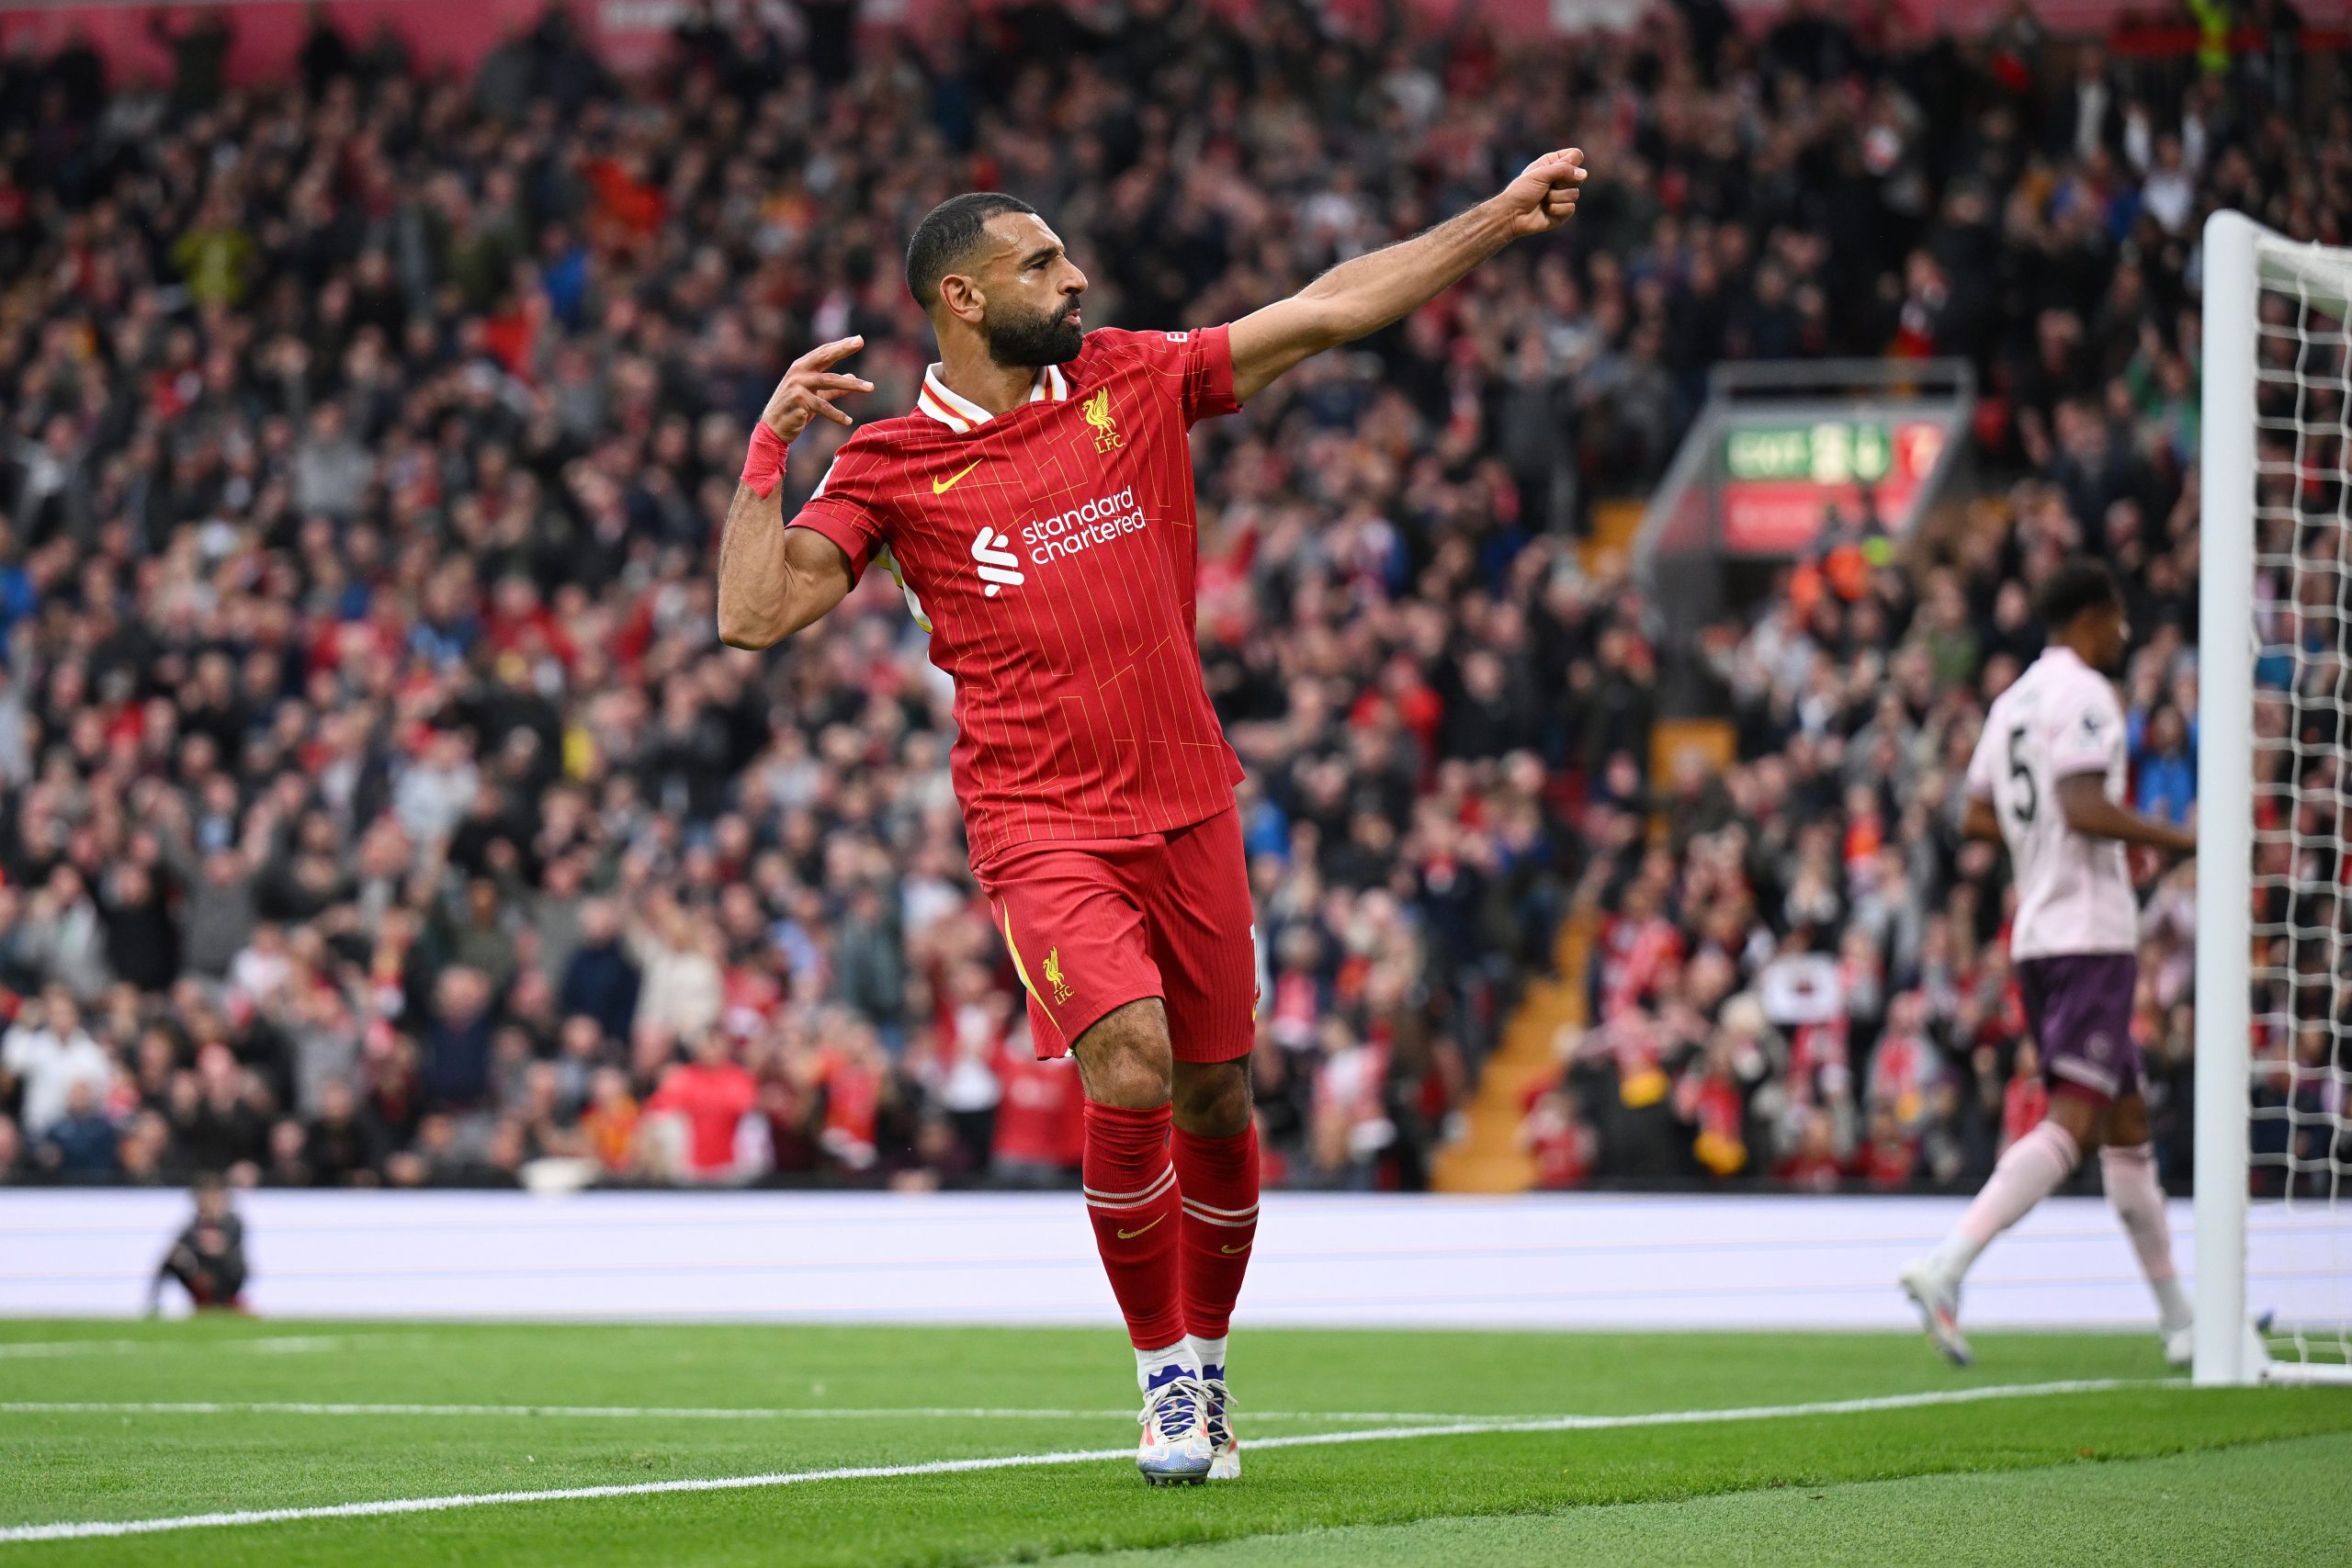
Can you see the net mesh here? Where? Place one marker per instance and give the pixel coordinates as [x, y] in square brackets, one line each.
[2299, 1221]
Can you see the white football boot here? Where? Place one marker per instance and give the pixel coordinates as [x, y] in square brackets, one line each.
[1939, 1304]
[1175, 1450]
[1217, 1415]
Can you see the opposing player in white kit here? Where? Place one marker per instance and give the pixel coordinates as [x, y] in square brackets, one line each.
[2047, 777]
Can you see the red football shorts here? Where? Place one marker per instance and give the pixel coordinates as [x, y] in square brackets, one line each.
[1093, 924]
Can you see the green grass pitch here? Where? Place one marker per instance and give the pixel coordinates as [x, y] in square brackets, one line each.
[114, 1421]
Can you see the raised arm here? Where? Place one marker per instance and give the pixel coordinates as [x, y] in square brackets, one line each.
[774, 579]
[1366, 294]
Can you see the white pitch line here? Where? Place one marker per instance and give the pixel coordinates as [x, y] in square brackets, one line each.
[1736, 1413]
[663, 1412]
[96, 1529]
[277, 1345]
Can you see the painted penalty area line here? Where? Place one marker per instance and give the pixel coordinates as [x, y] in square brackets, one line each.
[96, 1529]
[267, 1344]
[661, 1412]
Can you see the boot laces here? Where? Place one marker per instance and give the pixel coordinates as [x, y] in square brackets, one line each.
[1173, 1407]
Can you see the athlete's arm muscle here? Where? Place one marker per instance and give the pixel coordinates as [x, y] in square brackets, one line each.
[1980, 821]
[1366, 294]
[2083, 797]
[774, 579]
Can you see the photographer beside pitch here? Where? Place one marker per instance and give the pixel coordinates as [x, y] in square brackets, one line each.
[207, 1257]
[1037, 510]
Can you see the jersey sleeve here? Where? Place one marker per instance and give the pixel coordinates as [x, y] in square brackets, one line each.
[846, 510]
[1196, 366]
[2089, 733]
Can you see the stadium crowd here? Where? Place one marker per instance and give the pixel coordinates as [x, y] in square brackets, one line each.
[379, 806]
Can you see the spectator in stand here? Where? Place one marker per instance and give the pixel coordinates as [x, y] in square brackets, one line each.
[2166, 767]
[363, 718]
[79, 1144]
[601, 983]
[46, 1056]
[611, 1122]
[699, 1111]
[1040, 1125]
[341, 1146]
[457, 1040]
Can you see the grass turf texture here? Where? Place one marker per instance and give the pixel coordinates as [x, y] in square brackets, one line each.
[2262, 1502]
[2003, 1454]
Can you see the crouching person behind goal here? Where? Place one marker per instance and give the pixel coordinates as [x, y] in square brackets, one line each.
[208, 1260]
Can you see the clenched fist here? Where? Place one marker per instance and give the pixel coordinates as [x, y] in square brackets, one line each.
[1545, 195]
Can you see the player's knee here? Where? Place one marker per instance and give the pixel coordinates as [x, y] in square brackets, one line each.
[2126, 1123]
[1126, 1059]
[1213, 1098]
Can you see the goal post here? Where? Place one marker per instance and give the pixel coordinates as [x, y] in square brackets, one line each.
[2224, 791]
[2274, 785]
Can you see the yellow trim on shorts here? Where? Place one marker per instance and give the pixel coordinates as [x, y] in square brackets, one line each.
[1023, 970]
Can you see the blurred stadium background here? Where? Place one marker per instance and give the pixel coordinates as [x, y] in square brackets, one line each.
[1605, 641]
[384, 832]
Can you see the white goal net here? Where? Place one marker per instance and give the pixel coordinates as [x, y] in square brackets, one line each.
[2274, 977]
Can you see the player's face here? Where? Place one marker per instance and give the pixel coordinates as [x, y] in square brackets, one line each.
[1031, 289]
[2113, 637]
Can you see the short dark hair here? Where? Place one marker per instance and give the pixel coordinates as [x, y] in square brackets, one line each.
[2080, 583]
[946, 235]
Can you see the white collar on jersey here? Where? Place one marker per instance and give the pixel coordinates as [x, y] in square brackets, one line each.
[962, 415]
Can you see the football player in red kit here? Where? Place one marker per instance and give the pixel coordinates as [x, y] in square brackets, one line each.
[1037, 508]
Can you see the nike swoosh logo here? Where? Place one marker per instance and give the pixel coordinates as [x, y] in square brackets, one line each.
[1130, 1236]
[940, 487]
[1229, 1250]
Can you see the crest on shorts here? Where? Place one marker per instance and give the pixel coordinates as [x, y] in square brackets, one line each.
[1097, 410]
[1054, 974]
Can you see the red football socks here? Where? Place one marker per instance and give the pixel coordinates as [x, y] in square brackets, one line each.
[1218, 1177]
[1131, 1197]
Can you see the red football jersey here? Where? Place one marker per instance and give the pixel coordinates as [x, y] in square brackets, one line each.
[1050, 552]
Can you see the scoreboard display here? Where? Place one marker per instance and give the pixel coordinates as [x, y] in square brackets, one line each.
[1781, 480]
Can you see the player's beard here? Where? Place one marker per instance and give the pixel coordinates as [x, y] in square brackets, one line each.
[1029, 339]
